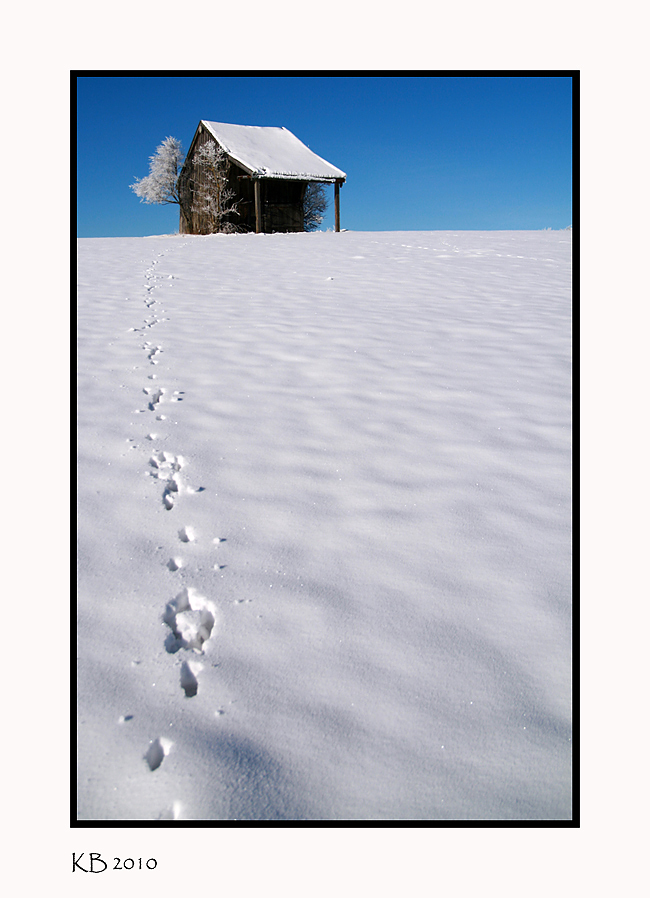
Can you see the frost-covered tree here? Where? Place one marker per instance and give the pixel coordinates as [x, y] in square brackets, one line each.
[161, 184]
[212, 198]
[315, 206]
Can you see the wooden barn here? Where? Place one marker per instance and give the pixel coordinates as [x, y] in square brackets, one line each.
[266, 171]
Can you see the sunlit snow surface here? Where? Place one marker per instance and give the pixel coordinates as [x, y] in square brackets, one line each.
[324, 527]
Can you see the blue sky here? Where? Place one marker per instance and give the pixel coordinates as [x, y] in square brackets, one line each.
[420, 152]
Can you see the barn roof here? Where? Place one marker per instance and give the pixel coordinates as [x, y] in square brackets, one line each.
[272, 153]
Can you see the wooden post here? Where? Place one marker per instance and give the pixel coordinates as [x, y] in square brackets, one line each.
[258, 207]
[337, 207]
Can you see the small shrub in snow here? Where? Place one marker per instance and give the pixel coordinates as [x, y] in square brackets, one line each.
[212, 196]
[315, 206]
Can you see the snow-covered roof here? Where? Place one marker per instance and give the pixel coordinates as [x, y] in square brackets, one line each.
[272, 153]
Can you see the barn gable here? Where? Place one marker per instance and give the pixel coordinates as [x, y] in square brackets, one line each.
[268, 171]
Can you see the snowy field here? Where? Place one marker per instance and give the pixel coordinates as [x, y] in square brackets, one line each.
[324, 556]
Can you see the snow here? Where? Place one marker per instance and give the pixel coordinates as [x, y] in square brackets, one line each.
[324, 523]
[272, 152]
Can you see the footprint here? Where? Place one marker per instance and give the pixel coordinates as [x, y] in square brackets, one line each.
[189, 682]
[191, 618]
[156, 397]
[186, 535]
[173, 483]
[167, 461]
[175, 564]
[157, 752]
[167, 467]
[172, 813]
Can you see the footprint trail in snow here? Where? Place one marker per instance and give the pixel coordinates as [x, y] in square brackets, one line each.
[190, 616]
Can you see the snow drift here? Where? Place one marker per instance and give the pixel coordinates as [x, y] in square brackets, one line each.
[324, 557]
